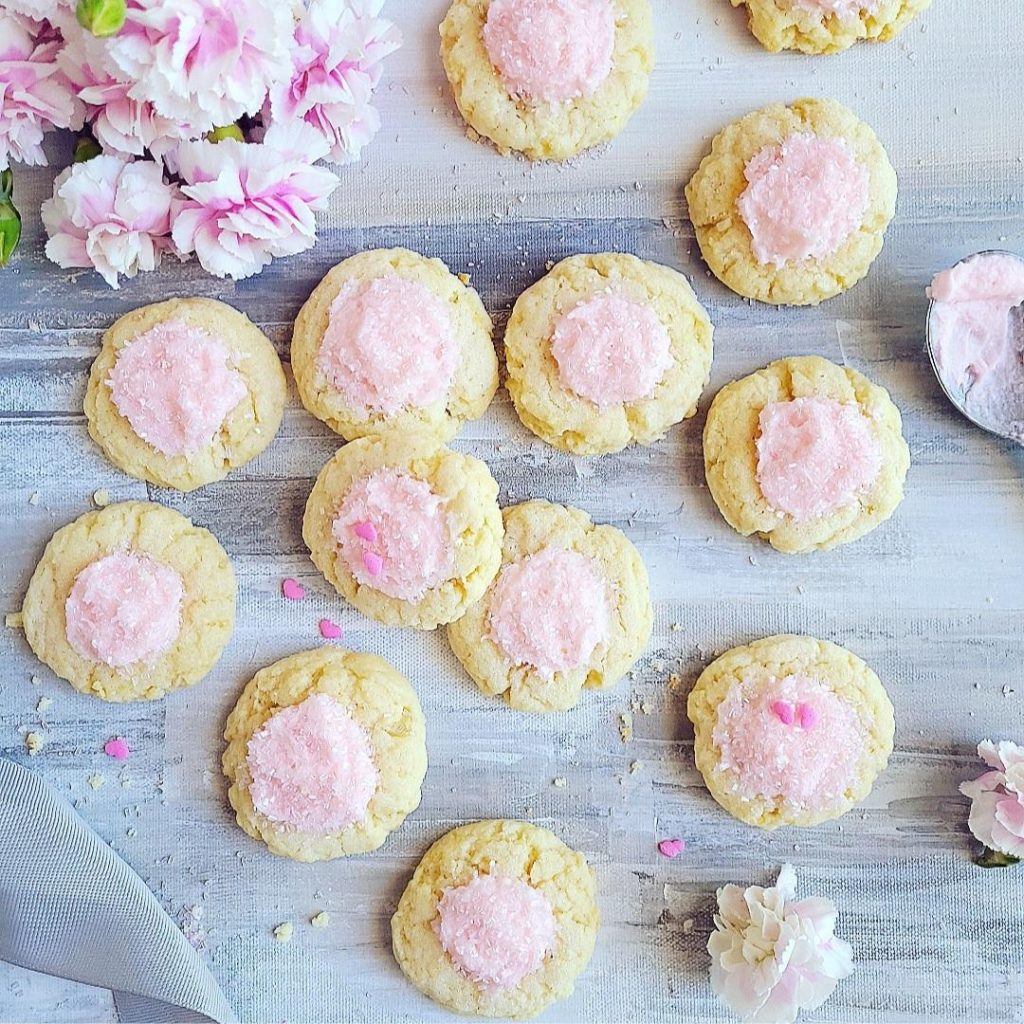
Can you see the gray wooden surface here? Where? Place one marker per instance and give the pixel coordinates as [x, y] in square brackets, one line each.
[933, 600]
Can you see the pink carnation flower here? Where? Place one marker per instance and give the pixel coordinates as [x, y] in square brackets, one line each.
[109, 214]
[997, 799]
[35, 97]
[249, 202]
[336, 56]
[773, 955]
[203, 62]
[121, 124]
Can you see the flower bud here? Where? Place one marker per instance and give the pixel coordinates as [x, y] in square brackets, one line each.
[227, 131]
[101, 17]
[86, 147]
[10, 224]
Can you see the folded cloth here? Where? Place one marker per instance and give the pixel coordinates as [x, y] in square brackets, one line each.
[69, 906]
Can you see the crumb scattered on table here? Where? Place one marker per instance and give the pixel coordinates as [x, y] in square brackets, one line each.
[321, 920]
[559, 782]
[101, 498]
[626, 727]
[43, 704]
[284, 931]
[96, 780]
[34, 742]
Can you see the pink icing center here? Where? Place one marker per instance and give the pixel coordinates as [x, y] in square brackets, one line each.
[611, 349]
[412, 550]
[550, 51]
[174, 384]
[311, 767]
[803, 199]
[814, 456]
[496, 929]
[809, 761]
[550, 610]
[389, 345]
[123, 609]
[841, 8]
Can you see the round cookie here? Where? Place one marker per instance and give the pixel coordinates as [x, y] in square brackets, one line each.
[406, 530]
[805, 454]
[326, 752]
[790, 730]
[131, 602]
[570, 608]
[184, 391]
[572, 71]
[392, 341]
[499, 919]
[827, 26]
[792, 203]
[607, 350]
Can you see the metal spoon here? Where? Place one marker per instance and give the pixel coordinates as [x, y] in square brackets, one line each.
[957, 397]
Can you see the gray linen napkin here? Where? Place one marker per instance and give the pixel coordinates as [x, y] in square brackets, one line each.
[69, 906]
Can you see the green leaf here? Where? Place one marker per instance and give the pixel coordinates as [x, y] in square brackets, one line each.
[989, 858]
[101, 17]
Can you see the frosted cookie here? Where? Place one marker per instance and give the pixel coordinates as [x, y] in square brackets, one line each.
[499, 919]
[790, 730]
[326, 754]
[406, 530]
[570, 608]
[184, 391]
[548, 78]
[827, 26]
[391, 341]
[805, 454]
[792, 203]
[607, 350]
[131, 602]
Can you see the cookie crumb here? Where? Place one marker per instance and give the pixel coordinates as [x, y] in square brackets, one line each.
[559, 783]
[634, 767]
[688, 926]
[43, 704]
[626, 727]
[321, 920]
[33, 498]
[96, 780]
[34, 742]
[101, 498]
[676, 627]
[35, 680]
[14, 620]
[675, 681]
[463, 277]
[284, 931]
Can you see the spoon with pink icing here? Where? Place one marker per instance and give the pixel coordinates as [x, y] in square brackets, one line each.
[975, 339]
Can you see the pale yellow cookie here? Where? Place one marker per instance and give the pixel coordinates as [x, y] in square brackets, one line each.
[532, 528]
[510, 849]
[467, 496]
[381, 702]
[724, 238]
[207, 615]
[731, 455]
[546, 130]
[246, 430]
[546, 403]
[475, 377]
[845, 698]
[788, 25]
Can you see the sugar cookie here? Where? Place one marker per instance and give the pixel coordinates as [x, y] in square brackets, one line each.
[805, 454]
[827, 26]
[184, 391]
[548, 78]
[792, 203]
[607, 350]
[569, 609]
[406, 530]
[326, 754]
[498, 920]
[131, 602]
[790, 730]
[391, 341]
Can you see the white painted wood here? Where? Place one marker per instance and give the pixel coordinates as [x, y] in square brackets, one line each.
[933, 600]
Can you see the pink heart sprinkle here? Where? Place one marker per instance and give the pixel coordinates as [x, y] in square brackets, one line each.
[292, 589]
[330, 630]
[671, 848]
[117, 748]
[783, 711]
[366, 531]
[808, 716]
[373, 562]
